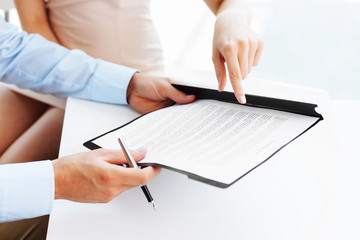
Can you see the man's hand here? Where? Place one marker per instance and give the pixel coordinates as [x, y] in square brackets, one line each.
[96, 176]
[147, 93]
[239, 46]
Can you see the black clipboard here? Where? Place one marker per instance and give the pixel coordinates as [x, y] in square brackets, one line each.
[302, 108]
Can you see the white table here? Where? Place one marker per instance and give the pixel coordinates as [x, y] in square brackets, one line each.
[306, 191]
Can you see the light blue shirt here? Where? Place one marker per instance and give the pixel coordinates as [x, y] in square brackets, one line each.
[30, 61]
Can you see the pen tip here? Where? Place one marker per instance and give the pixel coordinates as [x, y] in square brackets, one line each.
[153, 204]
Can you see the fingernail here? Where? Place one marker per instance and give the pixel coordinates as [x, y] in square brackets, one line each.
[188, 96]
[243, 99]
[140, 150]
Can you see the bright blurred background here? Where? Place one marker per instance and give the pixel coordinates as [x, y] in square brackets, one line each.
[314, 43]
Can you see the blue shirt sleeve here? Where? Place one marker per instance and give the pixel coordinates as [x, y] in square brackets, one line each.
[27, 190]
[30, 61]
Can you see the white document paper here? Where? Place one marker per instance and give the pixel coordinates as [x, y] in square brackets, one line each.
[210, 139]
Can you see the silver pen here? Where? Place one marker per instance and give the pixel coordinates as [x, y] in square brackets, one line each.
[133, 164]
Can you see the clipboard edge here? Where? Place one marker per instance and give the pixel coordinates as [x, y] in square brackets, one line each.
[92, 146]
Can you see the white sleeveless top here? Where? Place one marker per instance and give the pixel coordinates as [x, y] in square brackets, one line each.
[119, 31]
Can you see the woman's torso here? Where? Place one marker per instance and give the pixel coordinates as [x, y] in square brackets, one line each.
[119, 31]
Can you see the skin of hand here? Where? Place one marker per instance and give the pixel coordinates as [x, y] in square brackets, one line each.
[147, 93]
[235, 44]
[34, 19]
[96, 176]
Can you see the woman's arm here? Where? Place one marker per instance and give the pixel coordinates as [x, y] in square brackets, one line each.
[217, 6]
[33, 18]
[234, 43]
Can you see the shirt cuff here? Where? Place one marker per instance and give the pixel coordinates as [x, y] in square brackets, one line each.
[108, 77]
[27, 190]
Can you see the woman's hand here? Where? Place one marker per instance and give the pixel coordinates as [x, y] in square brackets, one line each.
[237, 45]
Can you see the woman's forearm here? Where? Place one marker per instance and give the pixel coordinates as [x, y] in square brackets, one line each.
[33, 18]
[240, 6]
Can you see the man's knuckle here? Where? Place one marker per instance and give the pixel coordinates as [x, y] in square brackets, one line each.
[105, 179]
[109, 195]
[101, 152]
[163, 89]
[143, 179]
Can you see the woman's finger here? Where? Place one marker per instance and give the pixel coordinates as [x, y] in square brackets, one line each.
[258, 52]
[232, 64]
[220, 70]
